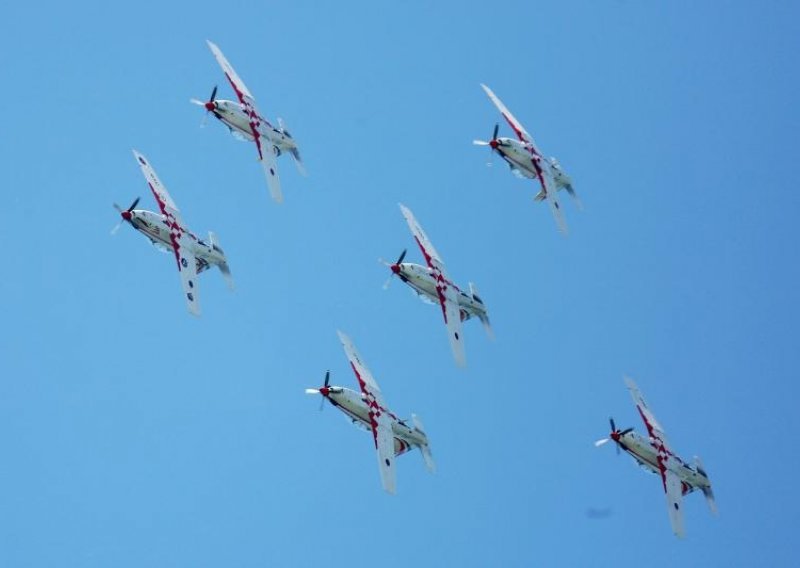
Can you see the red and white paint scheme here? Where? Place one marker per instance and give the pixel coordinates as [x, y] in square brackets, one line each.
[525, 160]
[368, 410]
[244, 121]
[167, 232]
[654, 454]
[432, 283]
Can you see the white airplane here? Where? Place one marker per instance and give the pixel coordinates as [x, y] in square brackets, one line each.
[525, 160]
[653, 453]
[167, 232]
[368, 410]
[431, 282]
[244, 121]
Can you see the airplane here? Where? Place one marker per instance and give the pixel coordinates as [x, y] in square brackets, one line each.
[432, 283]
[245, 122]
[367, 409]
[654, 454]
[526, 161]
[167, 232]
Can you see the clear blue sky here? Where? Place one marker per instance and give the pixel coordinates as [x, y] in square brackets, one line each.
[135, 435]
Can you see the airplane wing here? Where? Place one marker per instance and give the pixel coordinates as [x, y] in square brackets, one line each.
[515, 124]
[380, 421]
[550, 194]
[270, 166]
[181, 242]
[446, 292]
[187, 266]
[674, 492]
[653, 427]
[236, 82]
[266, 153]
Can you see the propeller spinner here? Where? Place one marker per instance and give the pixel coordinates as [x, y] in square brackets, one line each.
[615, 435]
[395, 267]
[125, 213]
[324, 390]
[209, 105]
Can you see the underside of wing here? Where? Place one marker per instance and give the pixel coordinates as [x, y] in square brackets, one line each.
[384, 442]
[552, 200]
[428, 251]
[452, 319]
[654, 428]
[162, 196]
[365, 379]
[236, 82]
[674, 493]
[187, 265]
[270, 165]
[515, 124]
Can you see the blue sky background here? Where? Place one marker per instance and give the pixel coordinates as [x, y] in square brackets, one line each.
[135, 435]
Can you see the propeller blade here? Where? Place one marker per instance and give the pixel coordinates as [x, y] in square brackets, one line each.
[613, 426]
[388, 281]
[625, 431]
[213, 94]
[480, 143]
[197, 102]
[134, 204]
[116, 228]
[312, 391]
[599, 443]
[118, 208]
[327, 377]
[402, 256]
[496, 129]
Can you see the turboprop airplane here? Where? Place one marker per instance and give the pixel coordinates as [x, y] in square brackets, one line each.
[244, 121]
[167, 232]
[525, 160]
[431, 282]
[654, 454]
[367, 409]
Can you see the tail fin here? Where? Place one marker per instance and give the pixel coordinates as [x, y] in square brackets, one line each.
[425, 448]
[707, 491]
[483, 316]
[223, 266]
[298, 161]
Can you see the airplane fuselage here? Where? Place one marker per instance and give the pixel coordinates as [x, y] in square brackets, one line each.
[421, 279]
[353, 404]
[644, 452]
[154, 227]
[234, 117]
[520, 157]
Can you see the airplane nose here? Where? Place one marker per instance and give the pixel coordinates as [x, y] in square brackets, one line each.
[395, 268]
[493, 144]
[615, 436]
[324, 391]
[210, 106]
[126, 215]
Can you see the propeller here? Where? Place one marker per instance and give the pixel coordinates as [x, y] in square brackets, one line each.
[125, 213]
[394, 267]
[615, 435]
[493, 143]
[324, 390]
[209, 105]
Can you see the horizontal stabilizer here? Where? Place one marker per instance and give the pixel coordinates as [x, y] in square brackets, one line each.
[424, 448]
[484, 316]
[223, 266]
